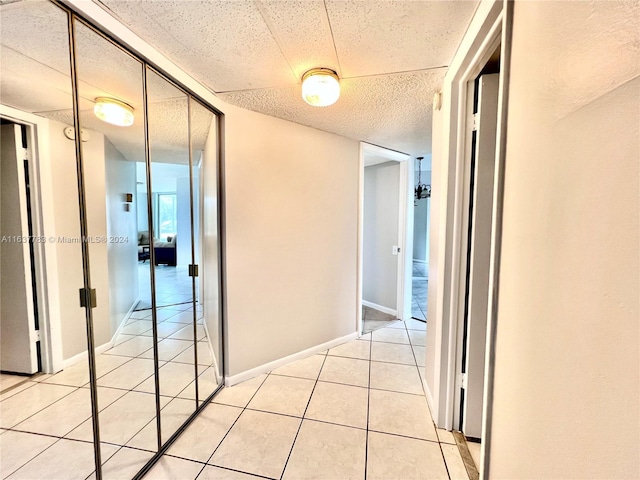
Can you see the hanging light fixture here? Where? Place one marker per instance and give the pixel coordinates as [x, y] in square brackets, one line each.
[113, 111]
[421, 190]
[320, 87]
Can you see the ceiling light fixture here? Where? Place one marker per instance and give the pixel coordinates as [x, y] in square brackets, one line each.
[113, 111]
[320, 87]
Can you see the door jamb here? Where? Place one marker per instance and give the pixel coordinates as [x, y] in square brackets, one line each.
[43, 224]
[492, 21]
[405, 230]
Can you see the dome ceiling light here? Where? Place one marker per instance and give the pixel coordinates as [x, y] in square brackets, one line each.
[113, 111]
[320, 87]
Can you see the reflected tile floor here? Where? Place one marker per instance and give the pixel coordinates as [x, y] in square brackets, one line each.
[358, 409]
[419, 286]
[173, 285]
[355, 411]
[45, 420]
[373, 319]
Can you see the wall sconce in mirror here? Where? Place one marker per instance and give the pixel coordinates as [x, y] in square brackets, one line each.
[113, 111]
[421, 191]
[128, 199]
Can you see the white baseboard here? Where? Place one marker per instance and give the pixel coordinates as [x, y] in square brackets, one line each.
[83, 355]
[213, 354]
[380, 308]
[267, 367]
[105, 346]
[415, 260]
[427, 393]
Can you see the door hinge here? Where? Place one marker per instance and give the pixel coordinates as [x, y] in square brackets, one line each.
[193, 270]
[88, 298]
[461, 380]
[475, 122]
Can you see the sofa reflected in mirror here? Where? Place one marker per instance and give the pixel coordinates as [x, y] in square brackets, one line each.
[165, 251]
[143, 246]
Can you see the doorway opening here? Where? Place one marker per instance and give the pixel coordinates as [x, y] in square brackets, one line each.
[480, 167]
[384, 278]
[421, 221]
[20, 242]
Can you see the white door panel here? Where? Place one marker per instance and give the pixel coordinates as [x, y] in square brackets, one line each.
[480, 246]
[17, 325]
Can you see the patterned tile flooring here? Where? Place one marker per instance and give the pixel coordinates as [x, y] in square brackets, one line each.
[355, 411]
[45, 420]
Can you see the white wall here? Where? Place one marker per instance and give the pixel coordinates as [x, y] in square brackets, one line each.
[291, 237]
[183, 209]
[380, 234]
[421, 223]
[122, 256]
[567, 362]
[210, 262]
[431, 370]
[67, 224]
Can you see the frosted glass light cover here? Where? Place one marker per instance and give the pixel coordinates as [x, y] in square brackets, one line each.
[320, 87]
[114, 112]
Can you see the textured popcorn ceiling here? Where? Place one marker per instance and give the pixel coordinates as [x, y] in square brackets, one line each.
[391, 57]
[389, 54]
[35, 78]
[393, 111]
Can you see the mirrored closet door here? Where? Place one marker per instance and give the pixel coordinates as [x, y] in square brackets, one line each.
[111, 115]
[120, 181]
[171, 223]
[42, 327]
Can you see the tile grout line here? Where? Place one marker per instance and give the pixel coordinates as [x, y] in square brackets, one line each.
[303, 415]
[444, 460]
[231, 427]
[366, 441]
[43, 408]
[36, 456]
[76, 388]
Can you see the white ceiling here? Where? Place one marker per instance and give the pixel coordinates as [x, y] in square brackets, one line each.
[36, 78]
[391, 57]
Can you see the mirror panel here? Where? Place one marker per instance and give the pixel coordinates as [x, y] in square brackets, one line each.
[178, 213]
[204, 144]
[110, 84]
[41, 198]
[171, 206]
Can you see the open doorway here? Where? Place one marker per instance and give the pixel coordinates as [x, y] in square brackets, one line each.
[421, 221]
[384, 266]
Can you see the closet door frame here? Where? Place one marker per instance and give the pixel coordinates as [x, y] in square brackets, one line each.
[87, 294]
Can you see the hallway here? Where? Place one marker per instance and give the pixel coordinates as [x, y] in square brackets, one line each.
[359, 407]
[419, 284]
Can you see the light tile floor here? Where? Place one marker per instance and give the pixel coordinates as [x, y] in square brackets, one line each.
[356, 411]
[419, 291]
[373, 319]
[45, 422]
